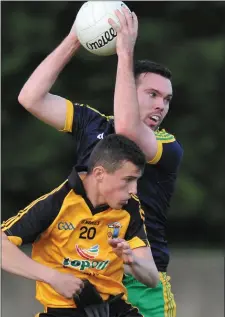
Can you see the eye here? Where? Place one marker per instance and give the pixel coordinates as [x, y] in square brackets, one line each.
[129, 179]
[167, 100]
[153, 94]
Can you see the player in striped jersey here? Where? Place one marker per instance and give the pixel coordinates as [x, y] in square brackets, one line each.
[85, 229]
[142, 98]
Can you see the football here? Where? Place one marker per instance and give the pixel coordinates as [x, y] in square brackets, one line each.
[93, 29]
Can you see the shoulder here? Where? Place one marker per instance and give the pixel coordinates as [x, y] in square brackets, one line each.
[81, 115]
[91, 110]
[164, 136]
[170, 150]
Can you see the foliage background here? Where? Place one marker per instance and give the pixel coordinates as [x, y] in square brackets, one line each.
[189, 38]
[186, 36]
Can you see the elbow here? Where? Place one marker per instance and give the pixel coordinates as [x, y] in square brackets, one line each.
[28, 99]
[24, 100]
[151, 280]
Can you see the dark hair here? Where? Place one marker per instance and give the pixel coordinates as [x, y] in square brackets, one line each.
[113, 150]
[146, 66]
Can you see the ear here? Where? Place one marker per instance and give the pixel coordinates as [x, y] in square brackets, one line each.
[98, 173]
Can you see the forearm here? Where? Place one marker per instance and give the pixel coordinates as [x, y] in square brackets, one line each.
[16, 262]
[126, 109]
[144, 271]
[127, 117]
[45, 75]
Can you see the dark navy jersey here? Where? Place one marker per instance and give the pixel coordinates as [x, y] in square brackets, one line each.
[155, 187]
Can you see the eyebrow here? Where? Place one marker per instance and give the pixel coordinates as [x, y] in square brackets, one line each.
[158, 92]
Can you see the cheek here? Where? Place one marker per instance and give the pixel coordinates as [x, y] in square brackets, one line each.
[166, 109]
[113, 190]
[145, 105]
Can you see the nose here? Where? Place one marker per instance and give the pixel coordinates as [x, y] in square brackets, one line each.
[159, 105]
[133, 188]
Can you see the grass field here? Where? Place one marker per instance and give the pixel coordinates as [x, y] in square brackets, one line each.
[197, 280]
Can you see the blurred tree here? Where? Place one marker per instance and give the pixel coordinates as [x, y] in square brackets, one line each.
[188, 37]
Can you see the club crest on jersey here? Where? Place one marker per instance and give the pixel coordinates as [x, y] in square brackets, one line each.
[114, 229]
[88, 254]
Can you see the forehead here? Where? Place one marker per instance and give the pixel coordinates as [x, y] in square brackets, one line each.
[156, 82]
[128, 169]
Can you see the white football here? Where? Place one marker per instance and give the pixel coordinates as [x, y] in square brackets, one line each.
[93, 29]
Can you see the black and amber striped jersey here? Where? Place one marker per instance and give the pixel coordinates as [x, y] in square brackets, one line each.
[70, 235]
[155, 188]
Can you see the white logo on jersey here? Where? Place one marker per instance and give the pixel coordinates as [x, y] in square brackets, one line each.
[100, 136]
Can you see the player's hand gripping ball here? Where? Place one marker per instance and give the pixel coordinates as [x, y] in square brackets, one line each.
[93, 29]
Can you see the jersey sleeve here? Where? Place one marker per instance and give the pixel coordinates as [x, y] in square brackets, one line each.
[78, 117]
[136, 233]
[169, 152]
[30, 222]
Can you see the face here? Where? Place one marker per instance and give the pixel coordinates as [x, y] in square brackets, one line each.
[116, 188]
[154, 94]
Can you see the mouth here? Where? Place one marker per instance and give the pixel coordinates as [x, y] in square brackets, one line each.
[153, 121]
[124, 202]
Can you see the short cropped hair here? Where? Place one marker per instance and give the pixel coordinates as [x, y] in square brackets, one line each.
[147, 66]
[112, 151]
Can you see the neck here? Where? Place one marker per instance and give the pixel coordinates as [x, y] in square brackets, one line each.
[91, 188]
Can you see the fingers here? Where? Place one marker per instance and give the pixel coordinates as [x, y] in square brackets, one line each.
[123, 245]
[128, 21]
[67, 284]
[128, 17]
[76, 287]
[122, 19]
[122, 249]
[114, 25]
[80, 285]
[135, 21]
[77, 291]
[127, 254]
[119, 244]
[114, 242]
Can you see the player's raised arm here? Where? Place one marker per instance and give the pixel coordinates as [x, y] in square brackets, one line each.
[132, 113]
[35, 95]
